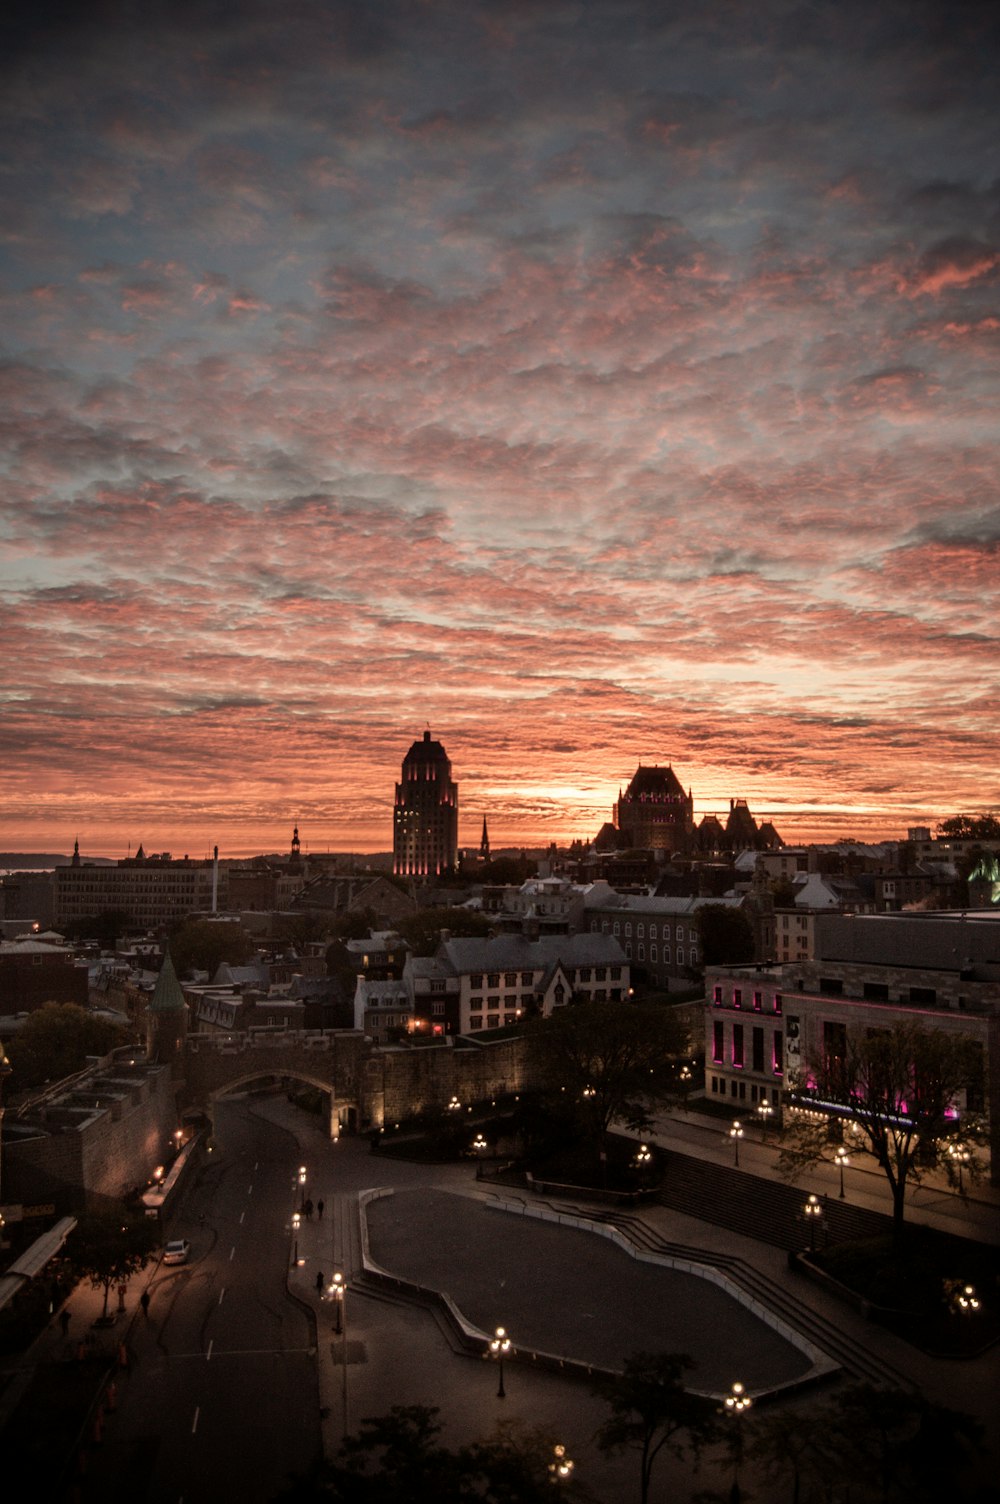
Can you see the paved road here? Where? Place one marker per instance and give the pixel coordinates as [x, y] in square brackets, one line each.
[222, 1401]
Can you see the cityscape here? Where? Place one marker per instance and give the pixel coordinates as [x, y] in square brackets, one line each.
[500, 816]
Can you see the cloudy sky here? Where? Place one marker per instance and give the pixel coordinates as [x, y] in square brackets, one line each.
[591, 381]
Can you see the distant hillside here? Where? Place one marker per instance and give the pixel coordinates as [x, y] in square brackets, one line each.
[41, 861]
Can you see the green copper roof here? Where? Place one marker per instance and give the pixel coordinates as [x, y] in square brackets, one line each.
[167, 994]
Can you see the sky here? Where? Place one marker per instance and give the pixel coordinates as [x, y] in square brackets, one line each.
[592, 383]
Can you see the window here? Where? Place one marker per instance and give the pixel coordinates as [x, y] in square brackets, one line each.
[628, 949]
[437, 986]
[680, 955]
[737, 997]
[717, 1041]
[778, 1056]
[510, 1018]
[777, 1002]
[493, 1001]
[640, 931]
[652, 932]
[475, 1002]
[758, 1050]
[600, 973]
[628, 928]
[510, 979]
[584, 973]
[756, 1002]
[492, 1020]
[527, 977]
[652, 953]
[876, 992]
[694, 955]
[476, 981]
[642, 953]
[493, 980]
[437, 1009]
[666, 955]
[476, 1021]
[680, 932]
[617, 928]
[692, 936]
[560, 993]
[738, 1045]
[616, 973]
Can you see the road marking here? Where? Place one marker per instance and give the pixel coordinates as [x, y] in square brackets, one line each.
[249, 1190]
[208, 1355]
[242, 1215]
[194, 1425]
[256, 1164]
[232, 1253]
[221, 1294]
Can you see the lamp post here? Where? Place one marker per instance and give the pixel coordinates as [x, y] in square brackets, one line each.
[737, 1403]
[500, 1348]
[296, 1224]
[765, 1109]
[302, 1185]
[454, 1105]
[479, 1144]
[841, 1158]
[335, 1292]
[736, 1133]
[812, 1211]
[960, 1156]
[561, 1467]
[685, 1080]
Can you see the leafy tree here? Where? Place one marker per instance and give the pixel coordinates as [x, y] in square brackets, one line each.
[203, 945]
[109, 1247]
[613, 1060]
[422, 931]
[398, 1459]
[55, 1041]
[982, 827]
[507, 869]
[651, 1411]
[898, 1088]
[725, 935]
[904, 1444]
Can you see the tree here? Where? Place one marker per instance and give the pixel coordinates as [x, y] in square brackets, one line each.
[422, 931]
[981, 827]
[109, 1247]
[203, 945]
[909, 1447]
[898, 1087]
[651, 1410]
[106, 927]
[614, 1060]
[398, 1457]
[56, 1040]
[725, 935]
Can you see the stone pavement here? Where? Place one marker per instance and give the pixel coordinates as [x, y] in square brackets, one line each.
[398, 1353]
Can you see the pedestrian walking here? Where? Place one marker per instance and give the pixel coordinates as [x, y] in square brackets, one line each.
[308, 1209]
[64, 1316]
[144, 1302]
[319, 1282]
[319, 1209]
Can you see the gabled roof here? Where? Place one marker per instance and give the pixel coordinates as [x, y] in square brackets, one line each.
[654, 782]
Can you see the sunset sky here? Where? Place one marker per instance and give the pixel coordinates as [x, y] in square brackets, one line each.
[593, 383]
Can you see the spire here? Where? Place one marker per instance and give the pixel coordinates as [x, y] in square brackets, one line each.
[76, 853]
[167, 994]
[484, 844]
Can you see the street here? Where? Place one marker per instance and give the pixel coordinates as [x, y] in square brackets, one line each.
[222, 1400]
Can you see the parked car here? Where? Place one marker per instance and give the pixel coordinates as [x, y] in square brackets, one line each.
[177, 1252]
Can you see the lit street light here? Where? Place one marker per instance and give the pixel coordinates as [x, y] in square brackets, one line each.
[500, 1348]
[765, 1109]
[841, 1158]
[736, 1133]
[296, 1224]
[302, 1184]
[562, 1467]
[685, 1080]
[335, 1292]
[960, 1156]
[454, 1105]
[737, 1403]
[812, 1211]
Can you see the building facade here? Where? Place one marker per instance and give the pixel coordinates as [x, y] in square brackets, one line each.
[425, 817]
[151, 890]
[941, 971]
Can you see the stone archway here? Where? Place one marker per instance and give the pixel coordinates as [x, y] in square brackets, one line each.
[338, 1114]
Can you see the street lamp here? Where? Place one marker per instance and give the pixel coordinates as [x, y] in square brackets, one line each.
[685, 1080]
[561, 1467]
[812, 1211]
[736, 1133]
[335, 1292]
[765, 1109]
[500, 1348]
[479, 1144]
[302, 1183]
[454, 1105]
[960, 1156]
[841, 1158]
[966, 1299]
[737, 1403]
[643, 1157]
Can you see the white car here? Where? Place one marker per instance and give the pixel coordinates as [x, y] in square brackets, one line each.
[177, 1252]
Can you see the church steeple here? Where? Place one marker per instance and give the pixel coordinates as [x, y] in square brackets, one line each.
[484, 844]
[76, 853]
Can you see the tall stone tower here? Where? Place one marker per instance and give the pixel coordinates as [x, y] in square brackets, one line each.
[425, 818]
[166, 1020]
